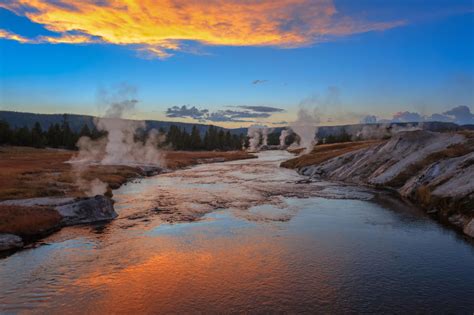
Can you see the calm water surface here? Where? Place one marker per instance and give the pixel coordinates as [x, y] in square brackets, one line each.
[245, 236]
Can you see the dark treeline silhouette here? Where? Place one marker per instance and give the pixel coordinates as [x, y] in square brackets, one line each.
[343, 136]
[57, 135]
[214, 139]
[62, 136]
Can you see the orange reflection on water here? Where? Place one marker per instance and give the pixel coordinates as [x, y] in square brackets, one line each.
[211, 273]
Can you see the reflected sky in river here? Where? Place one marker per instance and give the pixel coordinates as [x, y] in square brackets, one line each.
[297, 254]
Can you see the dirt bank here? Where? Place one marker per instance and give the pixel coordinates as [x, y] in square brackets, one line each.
[434, 170]
[324, 152]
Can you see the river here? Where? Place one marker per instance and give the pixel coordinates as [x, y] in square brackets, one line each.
[245, 236]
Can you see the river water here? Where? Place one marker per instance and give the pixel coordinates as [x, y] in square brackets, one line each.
[245, 236]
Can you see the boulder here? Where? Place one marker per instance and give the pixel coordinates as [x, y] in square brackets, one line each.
[73, 210]
[469, 228]
[10, 241]
[87, 210]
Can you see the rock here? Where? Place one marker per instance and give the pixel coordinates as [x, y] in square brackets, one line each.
[44, 201]
[87, 210]
[73, 210]
[430, 168]
[10, 241]
[469, 228]
[149, 170]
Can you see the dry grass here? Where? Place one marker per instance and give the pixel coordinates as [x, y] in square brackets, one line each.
[180, 159]
[325, 152]
[28, 221]
[30, 172]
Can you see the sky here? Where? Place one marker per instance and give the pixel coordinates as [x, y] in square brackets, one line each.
[238, 63]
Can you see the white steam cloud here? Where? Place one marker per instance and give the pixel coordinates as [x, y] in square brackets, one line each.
[120, 145]
[258, 137]
[381, 131]
[284, 134]
[305, 126]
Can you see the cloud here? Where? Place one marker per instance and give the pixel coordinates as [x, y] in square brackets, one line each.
[263, 109]
[185, 112]
[235, 116]
[259, 81]
[407, 117]
[369, 119]
[159, 28]
[460, 115]
[227, 115]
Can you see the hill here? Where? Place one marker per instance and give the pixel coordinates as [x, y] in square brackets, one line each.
[22, 119]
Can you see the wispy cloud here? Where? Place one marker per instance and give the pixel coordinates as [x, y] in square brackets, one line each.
[263, 109]
[185, 112]
[460, 115]
[159, 28]
[248, 114]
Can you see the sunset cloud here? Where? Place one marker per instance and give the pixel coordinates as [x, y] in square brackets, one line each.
[159, 27]
[249, 114]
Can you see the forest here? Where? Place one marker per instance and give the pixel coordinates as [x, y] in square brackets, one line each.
[62, 136]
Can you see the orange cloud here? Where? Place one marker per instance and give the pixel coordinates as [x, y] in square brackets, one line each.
[159, 27]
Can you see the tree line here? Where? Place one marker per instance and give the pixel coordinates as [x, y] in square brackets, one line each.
[62, 136]
[214, 139]
[56, 136]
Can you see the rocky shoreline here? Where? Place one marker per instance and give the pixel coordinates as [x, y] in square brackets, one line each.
[67, 211]
[433, 170]
[72, 211]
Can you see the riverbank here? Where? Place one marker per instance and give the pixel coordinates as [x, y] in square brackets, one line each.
[433, 170]
[39, 191]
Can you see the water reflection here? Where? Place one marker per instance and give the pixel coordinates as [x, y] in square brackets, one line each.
[307, 254]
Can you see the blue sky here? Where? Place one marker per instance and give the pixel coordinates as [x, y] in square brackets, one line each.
[426, 65]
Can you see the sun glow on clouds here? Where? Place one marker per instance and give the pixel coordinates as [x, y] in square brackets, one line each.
[158, 27]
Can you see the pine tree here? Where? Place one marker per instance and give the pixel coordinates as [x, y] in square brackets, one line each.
[5, 132]
[228, 141]
[85, 131]
[195, 139]
[206, 141]
[37, 137]
[22, 136]
[221, 140]
[54, 136]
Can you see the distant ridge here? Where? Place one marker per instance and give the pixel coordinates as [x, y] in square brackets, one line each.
[21, 119]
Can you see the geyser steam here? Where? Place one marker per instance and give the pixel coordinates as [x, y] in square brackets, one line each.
[306, 126]
[258, 137]
[284, 134]
[120, 146]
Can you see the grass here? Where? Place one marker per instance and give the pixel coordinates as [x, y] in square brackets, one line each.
[28, 221]
[180, 159]
[29, 172]
[324, 152]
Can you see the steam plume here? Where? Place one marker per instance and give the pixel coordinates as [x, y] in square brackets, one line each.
[120, 146]
[306, 126]
[284, 134]
[258, 137]
[381, 131]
